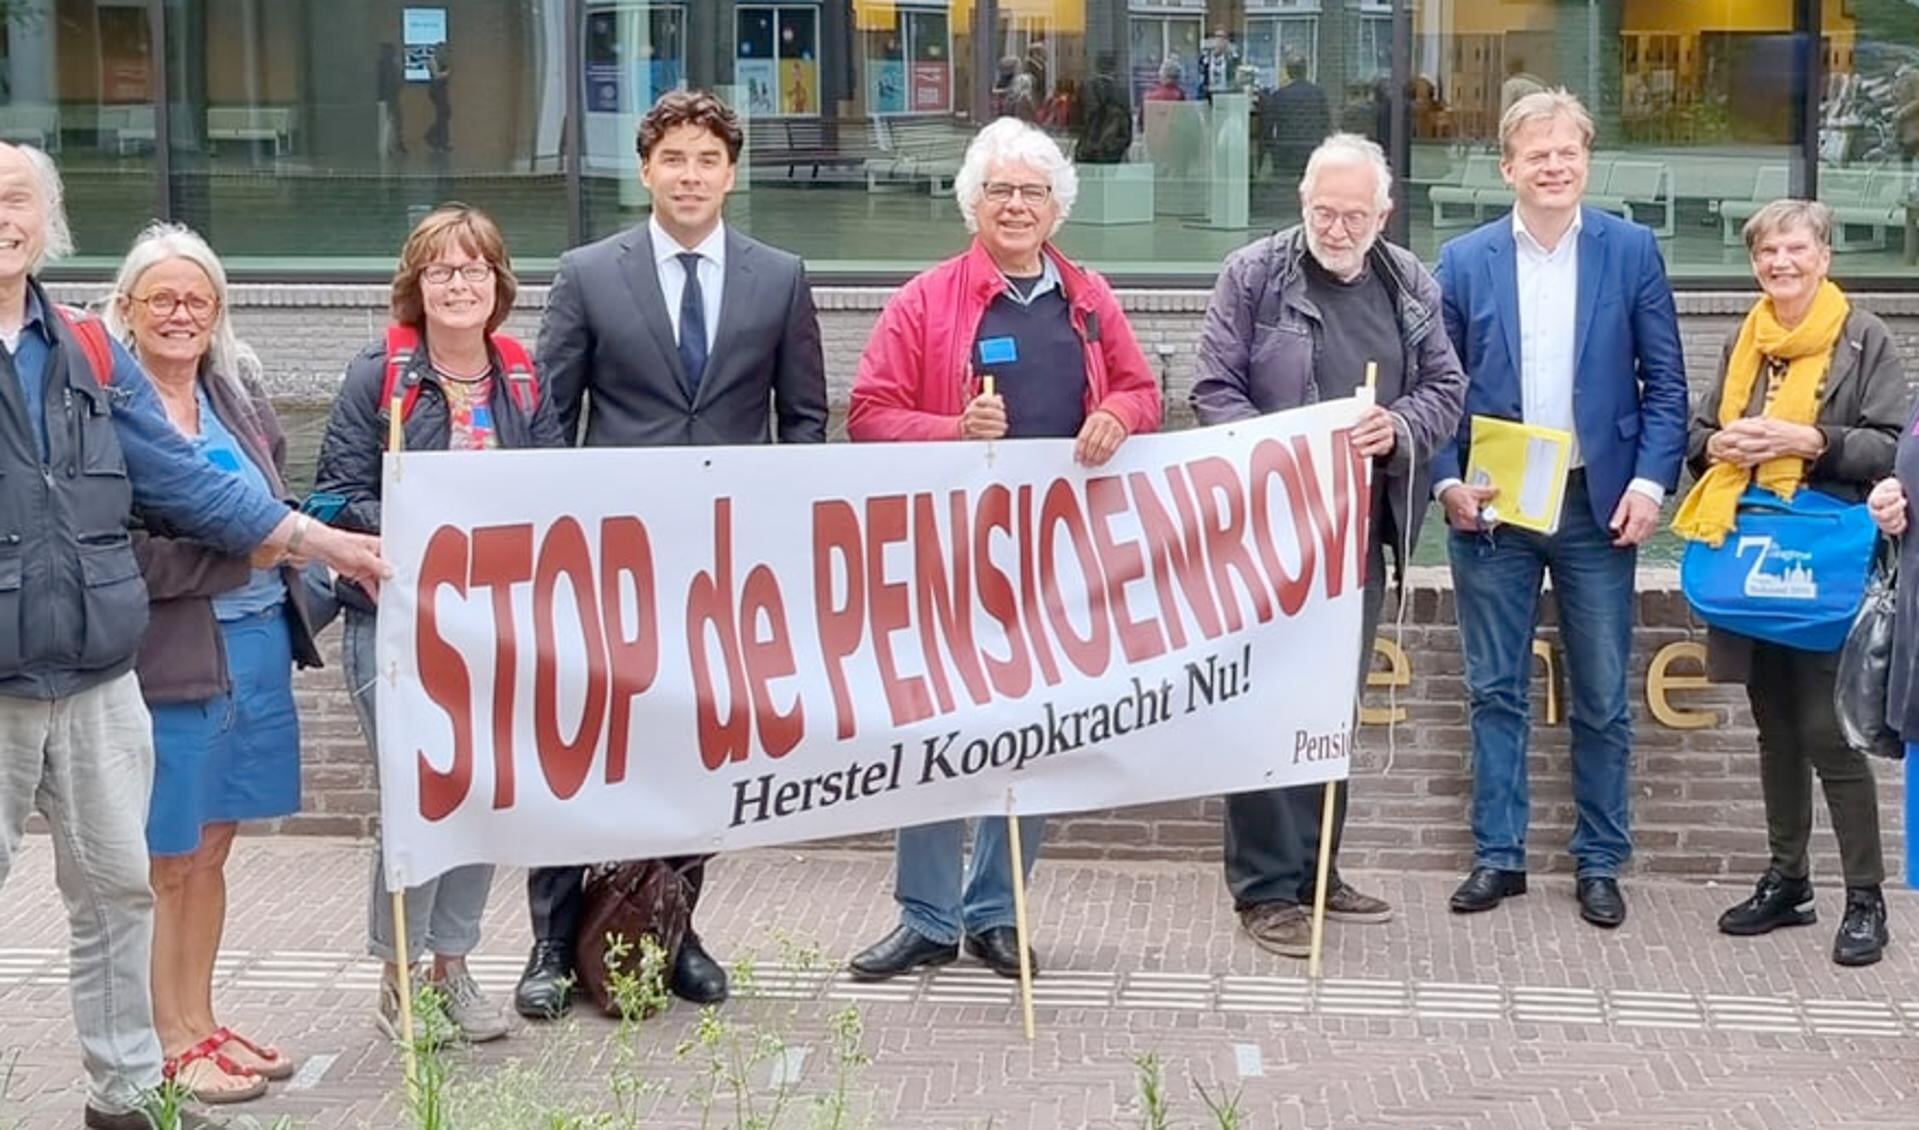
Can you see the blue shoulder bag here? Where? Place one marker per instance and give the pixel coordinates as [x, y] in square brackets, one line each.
[1791, 573]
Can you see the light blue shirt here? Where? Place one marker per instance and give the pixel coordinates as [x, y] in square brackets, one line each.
[672, 274]
[264, 589]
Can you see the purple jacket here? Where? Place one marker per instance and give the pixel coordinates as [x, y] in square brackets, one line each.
[1260, 344]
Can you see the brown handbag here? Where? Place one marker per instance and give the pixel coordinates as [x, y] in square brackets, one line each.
[628, 902]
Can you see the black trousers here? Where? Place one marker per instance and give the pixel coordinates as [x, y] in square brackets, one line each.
[1791, 696]
[553, 896]
[1272, 835]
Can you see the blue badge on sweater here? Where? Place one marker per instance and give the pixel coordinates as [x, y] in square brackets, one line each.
[224, 459]
[998, 351]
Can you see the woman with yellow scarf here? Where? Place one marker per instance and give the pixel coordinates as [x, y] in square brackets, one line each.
[1810, 395]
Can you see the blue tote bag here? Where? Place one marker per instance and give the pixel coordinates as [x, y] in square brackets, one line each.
[1791, 573]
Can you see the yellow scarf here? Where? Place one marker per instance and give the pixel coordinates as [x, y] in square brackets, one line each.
[1712, 505]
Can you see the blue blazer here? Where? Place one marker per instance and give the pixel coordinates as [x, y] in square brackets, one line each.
[1629, 383]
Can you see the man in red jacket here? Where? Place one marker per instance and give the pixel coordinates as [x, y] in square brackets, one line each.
[1063, 363]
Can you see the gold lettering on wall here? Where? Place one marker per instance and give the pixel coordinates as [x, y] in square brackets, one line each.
[1661, 682]
[1397, 673]
[1543, 652]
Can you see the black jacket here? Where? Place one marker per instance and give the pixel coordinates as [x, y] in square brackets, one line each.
[356, 435]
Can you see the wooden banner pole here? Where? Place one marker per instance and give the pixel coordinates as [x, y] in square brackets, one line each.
[1019, 915]
[405, 964]
[1323, 869]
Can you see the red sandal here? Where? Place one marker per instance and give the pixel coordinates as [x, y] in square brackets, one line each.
[274, 1064]
[208, 1051]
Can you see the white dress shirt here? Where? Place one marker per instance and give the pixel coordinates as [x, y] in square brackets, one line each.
[672, 274]
[1548, 339]
[1548, 327]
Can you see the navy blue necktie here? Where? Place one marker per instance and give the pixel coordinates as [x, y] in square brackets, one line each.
[692, 324]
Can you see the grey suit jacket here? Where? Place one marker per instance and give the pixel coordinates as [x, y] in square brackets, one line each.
[607, 344]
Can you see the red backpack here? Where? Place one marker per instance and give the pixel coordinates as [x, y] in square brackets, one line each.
[92, 335]
[401, 388]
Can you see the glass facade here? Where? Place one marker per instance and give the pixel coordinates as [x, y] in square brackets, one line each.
[305, 136]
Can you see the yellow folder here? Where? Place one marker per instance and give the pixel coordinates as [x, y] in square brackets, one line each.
[1528, 464]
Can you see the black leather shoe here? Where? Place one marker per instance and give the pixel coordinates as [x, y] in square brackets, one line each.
[900, 952]
[1862, 933]
[545, 991]
[1486, 888]
[696, 976]
[1600, 902]
[1776, 901]
[997, 948]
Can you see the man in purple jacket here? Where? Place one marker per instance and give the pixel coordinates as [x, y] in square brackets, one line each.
[1296, 318]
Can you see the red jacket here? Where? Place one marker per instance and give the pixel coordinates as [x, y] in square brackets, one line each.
[916, 375]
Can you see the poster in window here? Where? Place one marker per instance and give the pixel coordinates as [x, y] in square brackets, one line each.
[760, 79]
[799, 61]
[604, 85]
[886, 86]
[422, 31]
[932, 86]
[799, 86]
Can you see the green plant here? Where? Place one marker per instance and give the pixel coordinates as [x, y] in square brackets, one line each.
[744, 1075]
[1224, 1108]
[428, 1093]
[1155, 1112]
[167, 1102]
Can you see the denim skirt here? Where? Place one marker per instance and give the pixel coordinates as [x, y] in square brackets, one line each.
[235, 756]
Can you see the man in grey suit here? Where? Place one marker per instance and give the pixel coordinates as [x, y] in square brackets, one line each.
[677, 331]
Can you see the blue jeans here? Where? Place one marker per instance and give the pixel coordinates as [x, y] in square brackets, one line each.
[1496, 579]
[928, 889]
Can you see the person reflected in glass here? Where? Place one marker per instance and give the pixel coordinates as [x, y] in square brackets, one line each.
[452, 291]
[439, 72]
[216, 663]
[1015, 307]
[1296, 118]
[1810, 395]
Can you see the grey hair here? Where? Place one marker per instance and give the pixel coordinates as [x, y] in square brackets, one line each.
[1350, 149]
[1779, 215]
[56, 236]
[1010, 139]
[228, 358]
[1541, 106]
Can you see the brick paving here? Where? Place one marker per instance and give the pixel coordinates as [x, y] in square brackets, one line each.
[1524, 1017]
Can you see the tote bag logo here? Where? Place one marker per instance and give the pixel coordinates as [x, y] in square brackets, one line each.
[1789, 578]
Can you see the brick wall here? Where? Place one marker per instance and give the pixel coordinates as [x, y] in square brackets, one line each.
[1697, 808]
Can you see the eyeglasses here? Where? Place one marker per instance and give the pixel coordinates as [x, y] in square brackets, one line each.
[440, 274]
[1355, 222]
[162, 303]
[1000, 192]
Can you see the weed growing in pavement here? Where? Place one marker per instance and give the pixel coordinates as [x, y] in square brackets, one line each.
[1224, 1108]
[169, 1101]
[747, 1072]
[1156, 1110]
[11, 1064]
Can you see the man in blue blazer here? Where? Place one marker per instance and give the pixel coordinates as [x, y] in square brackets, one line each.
[1563, 318]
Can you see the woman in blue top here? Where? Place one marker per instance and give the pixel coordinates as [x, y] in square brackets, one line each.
[216, 666]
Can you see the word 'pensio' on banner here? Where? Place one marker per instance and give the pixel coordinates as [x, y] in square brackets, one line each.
[1206, 557]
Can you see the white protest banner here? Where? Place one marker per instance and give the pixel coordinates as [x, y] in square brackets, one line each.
[625, 653]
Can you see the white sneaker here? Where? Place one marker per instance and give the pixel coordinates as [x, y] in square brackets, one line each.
[477, 1017]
